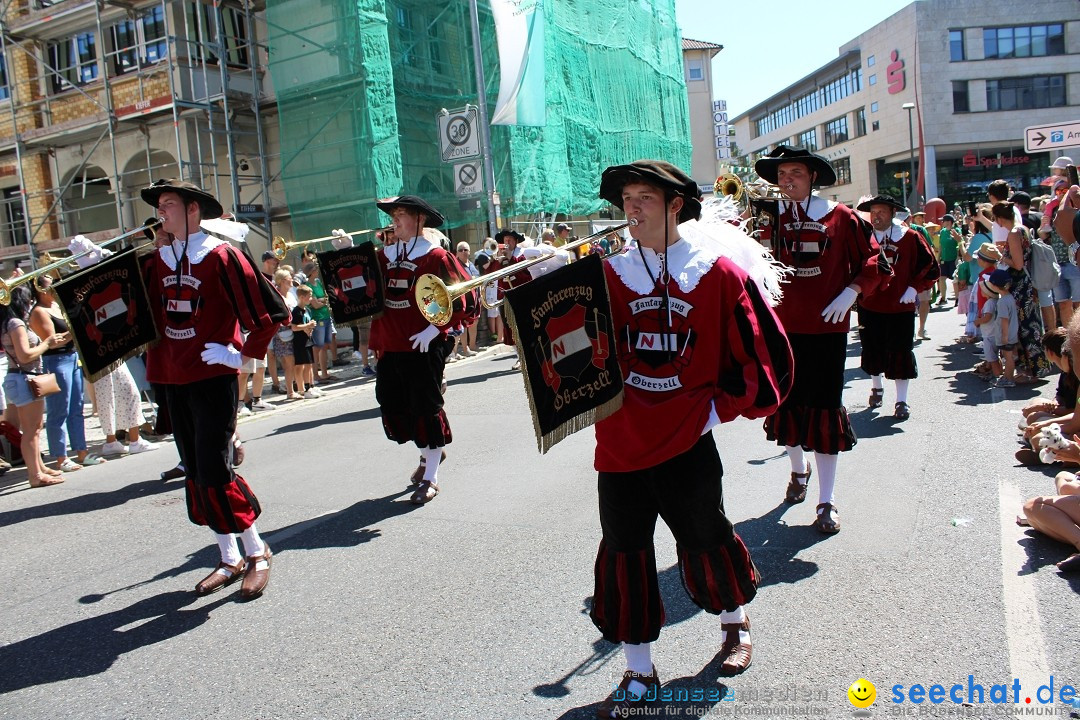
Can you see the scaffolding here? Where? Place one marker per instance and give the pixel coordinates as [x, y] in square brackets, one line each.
[108, 97]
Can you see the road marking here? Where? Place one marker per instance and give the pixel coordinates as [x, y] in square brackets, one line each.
[1023, 631]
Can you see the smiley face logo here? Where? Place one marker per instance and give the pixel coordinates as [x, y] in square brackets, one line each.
[862, 693]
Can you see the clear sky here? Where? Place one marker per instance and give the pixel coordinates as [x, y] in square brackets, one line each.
[769, 44]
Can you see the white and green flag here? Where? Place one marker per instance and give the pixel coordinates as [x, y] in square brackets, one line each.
[519, 29]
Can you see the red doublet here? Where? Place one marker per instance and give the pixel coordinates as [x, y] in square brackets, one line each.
[213, 298]
[401, 318]
[828, 253]
[913, 265]
[726, 350]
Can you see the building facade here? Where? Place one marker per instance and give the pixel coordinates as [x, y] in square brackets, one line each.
[950, 83]
[697, 63]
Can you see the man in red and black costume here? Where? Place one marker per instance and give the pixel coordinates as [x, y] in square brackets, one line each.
[835, 259]
[888, 316]
[698, 346]
[203, 292]
[413, 351]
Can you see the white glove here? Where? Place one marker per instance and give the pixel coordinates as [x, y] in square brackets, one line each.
[341, 239]
[218, 354]
[838, 308]
[422, 339]
[909, 296]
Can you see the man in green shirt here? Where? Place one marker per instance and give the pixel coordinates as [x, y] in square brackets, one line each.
[948, 241]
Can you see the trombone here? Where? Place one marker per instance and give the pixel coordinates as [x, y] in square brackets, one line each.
[281, 247]
[435, 299]
[6, 286]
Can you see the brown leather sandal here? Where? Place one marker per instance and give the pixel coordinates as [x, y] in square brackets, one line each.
[623, 702]
[425, 493]
[828, 519]
[735, 655]
[796, 491]
[222, 576]
[877, 395]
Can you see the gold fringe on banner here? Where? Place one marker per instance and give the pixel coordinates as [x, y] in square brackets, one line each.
[546, 441]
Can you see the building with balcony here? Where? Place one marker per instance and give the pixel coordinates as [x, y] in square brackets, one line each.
[974, 76]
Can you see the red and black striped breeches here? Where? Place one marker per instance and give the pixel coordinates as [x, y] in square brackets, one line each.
[887, 342]
[813, 415]
[686, 491]
[203, 420]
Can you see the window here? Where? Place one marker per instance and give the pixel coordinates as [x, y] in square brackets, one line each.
[694, 70]
[873, 79]
[1024, 41]
[836, 131]
[1025, 93]
[873, 107]
[136, 43]
[875, 126]
[233, 34]
[842, 167]
[808, 140]
[74, 61]
[960, 96]
[14, 220]
[860, 122]
[870, 61]
[837, 89]
[5, 91]
[956, 46]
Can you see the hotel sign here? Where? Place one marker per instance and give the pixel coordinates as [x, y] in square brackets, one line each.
[720, 126]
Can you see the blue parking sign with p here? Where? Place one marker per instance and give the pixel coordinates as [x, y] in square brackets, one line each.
[1057, 136]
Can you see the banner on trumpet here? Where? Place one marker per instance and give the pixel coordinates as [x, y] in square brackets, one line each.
[108, 310]
[562, 323]
[353, 282]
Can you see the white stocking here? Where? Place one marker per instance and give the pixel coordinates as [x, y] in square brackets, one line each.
[826, 467]
[432, 457]
[798, 461]
[878, 382]
[230, 551]
[253, 544]
[901, 390]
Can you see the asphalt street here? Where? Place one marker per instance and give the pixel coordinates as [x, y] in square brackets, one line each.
[475, 606]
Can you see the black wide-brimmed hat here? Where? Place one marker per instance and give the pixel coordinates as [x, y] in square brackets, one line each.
[881, 200]
[518, 237]
[662, 174]
[411, 202]
[209, 205]
[767, 167]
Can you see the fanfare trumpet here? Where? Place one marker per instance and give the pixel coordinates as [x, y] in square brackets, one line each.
[435, 299]
[6, 286]
[280, 246]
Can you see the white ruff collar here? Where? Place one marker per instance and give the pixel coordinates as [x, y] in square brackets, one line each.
[686, 261]
[417, 247]
[893, 234]
[199, 246]
[819, 207]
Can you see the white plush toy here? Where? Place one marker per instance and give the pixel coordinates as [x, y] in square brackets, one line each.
[1050, 438]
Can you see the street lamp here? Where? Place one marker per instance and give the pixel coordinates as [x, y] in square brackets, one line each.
[913, 200]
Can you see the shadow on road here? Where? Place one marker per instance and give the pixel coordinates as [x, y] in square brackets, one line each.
[684, 697]
[86, 502]
[677, 608]
[869, 423]
[89, 647]
[774, 545]
[356, 416]
[1043, 551]
[345, 528]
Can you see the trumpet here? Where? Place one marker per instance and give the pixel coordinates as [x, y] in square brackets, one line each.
[732, 185]
[435, 299]
[281, 247]
[6, 286]
[729, 184]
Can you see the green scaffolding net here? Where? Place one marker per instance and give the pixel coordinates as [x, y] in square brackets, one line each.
[360, 83]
